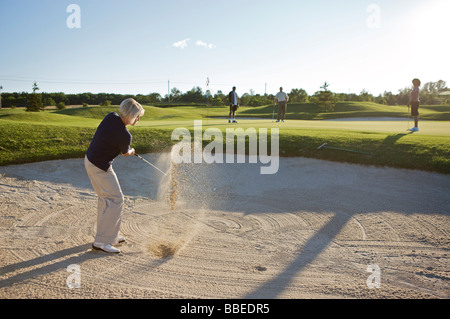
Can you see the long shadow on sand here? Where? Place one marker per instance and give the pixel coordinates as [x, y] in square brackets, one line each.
[73, 255]
[313, 247]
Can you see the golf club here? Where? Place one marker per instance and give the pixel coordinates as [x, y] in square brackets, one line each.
[324, 145]
[140, 157]
[408, 118]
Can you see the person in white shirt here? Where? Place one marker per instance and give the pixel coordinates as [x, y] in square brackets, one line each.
[282, 98]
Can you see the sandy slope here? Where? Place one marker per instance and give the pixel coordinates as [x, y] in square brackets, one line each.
[310, 231]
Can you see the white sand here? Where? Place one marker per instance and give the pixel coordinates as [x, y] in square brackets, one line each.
[310, 231]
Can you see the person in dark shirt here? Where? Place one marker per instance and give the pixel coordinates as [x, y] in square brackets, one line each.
[110, 140]
[233, 98]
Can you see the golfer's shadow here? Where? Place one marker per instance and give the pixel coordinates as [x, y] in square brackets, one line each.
[392, 139]
[69, 256]
[309, 252]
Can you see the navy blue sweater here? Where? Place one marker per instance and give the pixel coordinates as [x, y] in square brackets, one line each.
[111, 139]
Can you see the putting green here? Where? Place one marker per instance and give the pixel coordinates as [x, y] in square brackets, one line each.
[441, 128]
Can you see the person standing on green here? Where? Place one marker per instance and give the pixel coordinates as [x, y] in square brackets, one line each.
[233, 98]
[282, 98]
[414, 104]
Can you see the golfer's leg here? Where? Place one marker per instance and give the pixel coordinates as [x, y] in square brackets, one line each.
[279, 112]
[283, 110]
[110, 204]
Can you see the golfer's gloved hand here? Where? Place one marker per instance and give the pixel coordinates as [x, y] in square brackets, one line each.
[131, 151]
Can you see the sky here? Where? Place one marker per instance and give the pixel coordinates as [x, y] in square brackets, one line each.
[142, 47]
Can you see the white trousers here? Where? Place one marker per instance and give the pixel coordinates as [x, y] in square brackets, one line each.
[110, 202]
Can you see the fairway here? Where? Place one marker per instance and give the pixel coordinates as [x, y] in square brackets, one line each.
[58, 134]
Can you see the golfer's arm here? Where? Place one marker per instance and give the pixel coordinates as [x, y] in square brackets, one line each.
[413, 97]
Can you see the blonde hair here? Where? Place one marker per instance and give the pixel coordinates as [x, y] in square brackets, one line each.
[131, 109]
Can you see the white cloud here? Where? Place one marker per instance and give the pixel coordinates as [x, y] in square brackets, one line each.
[204, 44]
[184, 43]
[181, 44]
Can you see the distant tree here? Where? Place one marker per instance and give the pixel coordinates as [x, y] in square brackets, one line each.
[430, 92]
[35, 102]
[106, 103]
[324, 98]
[325, 86]
[341, 97]
[154, 98]
[195, 95]
[48, 101]
[298, 95]
[366, 96]
[61, 106]
[220, 96]
[216, 101]
[402, 97]
[175, 94]
[381, 100]
[390, 98]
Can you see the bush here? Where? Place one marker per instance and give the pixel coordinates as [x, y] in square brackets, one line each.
[106, 103]
[49, 101]
[61, 106]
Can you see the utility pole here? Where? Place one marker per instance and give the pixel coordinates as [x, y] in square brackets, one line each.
[208, 93]
[265, 93]
[1, 88]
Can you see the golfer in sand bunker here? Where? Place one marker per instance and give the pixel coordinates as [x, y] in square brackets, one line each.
[111, 139]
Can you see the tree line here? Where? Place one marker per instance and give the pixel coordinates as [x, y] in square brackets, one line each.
[431, 94]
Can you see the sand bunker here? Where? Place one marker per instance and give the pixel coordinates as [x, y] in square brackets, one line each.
[309, 231]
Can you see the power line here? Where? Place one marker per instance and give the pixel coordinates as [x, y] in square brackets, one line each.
[82, 81]
[243, 86]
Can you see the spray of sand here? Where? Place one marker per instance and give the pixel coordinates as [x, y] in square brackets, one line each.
[177, 223]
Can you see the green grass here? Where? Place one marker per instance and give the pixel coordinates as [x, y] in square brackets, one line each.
[308, 111]
[58, 134]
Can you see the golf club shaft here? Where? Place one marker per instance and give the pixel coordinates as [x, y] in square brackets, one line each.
[408, 117]
[140, 157]
[347, 150]
[324, 145]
